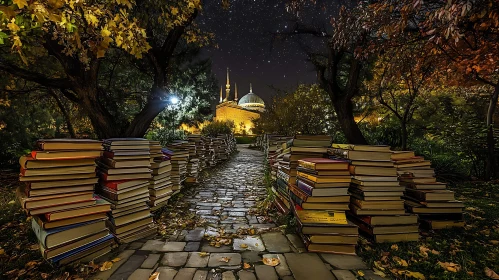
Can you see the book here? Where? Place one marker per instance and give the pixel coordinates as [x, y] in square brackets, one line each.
[28, 162]
[425, 186]
[392, 238]
[50, 200]
[385, 204]
[430, 195]
[375, 183]
[362, 155]
[123, 184]
[396, 155]
[130, 226]
[372, 212]
[305, 197]
[48, 209]
[42, 222]
[51, 155]
[83, 251]
[346, 249]
[57, 177]
[313, 184]
[366, 148]
[119, 221]
[121, 171]
[321, 217]
[325, 179]
[308, 143]
[417, 208]
[56, 251]
[125, 163]
[69, 144]
[109, 177]
[57, 236]
[323, 164]
[317, 150]
[101, 206]
[372, 171]
[61, 184]
[58, 170]
[386, 220]
[51, 191]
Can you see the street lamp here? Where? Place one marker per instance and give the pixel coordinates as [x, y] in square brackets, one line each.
[174, 100]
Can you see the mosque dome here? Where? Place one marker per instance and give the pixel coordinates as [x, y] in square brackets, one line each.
[252, 101]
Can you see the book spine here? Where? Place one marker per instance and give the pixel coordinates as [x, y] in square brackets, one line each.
[306, 176]
[295, 199]
[40, 233]
[308, 165]
[302, 195]
[304, 187]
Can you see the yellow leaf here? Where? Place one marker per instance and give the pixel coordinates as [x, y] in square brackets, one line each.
[154, 276]
[244, 246]
[452, 267]
[395, 247]
[2, 251]
[106, 266]
[105, 33]
[416, 275]
[13, 26]
[203, 254]
[21, 3]
[360, 273]
[246, 265]
[116, 260]
[494, 242]
[491, 274]
[225, 259]
[379, 273]
[12, 202]
[271, 261]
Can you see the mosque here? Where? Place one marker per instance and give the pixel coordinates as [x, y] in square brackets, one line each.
[241, 111]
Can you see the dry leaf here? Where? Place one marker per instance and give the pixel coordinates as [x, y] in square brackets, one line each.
[116, 260]
[44, 275]
[203, 254]
[494, 242]
[416, 275]
[395, 247]
[491, 274]
[154, 276]
[34, 247]
[271, 261]
[360, 273]
[106, 266]
[244, 246]
[2, 251]
[452, 267]
[246, 265]
[225, 259]
[400, 261]
[379, 272]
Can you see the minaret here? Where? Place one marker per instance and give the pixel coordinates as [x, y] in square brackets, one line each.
[235, 94]
[227, 87]
[251, 88]
[221, 96]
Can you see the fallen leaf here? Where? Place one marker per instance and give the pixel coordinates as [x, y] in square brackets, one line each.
[495, 242]
[360, 273]
[400, 261]
[271, 261]
[34, 247]
[2, 251]
[116, 260]
[203, 254]
[244, 246]
[470, 273]
[225, 259]
[379, 272]
[452, 267]
[246, 265]
[44, 275]
[106, 266]
[154, 276]
[417, 275]
[395, 247]
[435, 252]
[12, 202]
[491, 274]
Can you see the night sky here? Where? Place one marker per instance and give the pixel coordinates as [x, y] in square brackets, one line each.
[244, 38]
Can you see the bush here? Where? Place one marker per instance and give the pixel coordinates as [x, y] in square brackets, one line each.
[218, 127]
[245, 139]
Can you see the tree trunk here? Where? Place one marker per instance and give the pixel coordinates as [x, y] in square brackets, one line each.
[404, 136]
[491, 166]
[344, 110]
[64, 113]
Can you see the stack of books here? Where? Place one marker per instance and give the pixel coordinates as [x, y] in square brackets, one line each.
[302, 146]
[209, 152]
[322, 184]
[155, 151]
[376, 194]
[220, 148]
[435, 206]
[326, 231]
[58, 192]
[192, 163]
[160, 188]
[179, 158]
[125, 176]
[198, 141]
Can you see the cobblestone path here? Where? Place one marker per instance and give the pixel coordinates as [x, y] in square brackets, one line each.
[224, 200]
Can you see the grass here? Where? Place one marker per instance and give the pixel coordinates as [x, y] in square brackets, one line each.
[447, 254]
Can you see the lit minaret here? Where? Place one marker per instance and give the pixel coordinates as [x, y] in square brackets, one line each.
[221, 97]
[235, 94]
[227, 86]
[251, 88]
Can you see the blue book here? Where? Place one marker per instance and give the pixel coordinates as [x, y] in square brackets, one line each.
[81, 250]
[53, 237]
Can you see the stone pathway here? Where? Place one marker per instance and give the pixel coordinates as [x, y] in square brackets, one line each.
[224, 200]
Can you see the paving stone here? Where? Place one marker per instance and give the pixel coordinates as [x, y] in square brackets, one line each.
[301, 265]
[195, 234]
[151, 261]
[228, 275]
[263, 226]
[344, 275]
[344, 261]
[249, 243]
[166, 273]
[369, 275]
[140, 274]
[276, 242]
[135, 245]
[175, 259]
[123, 256]
[185, 274]
[173, 247]
[251, 257]
[296, 242]
[153, 245]
[222, 249]
[128, 267]
[196, 260]
[265, 272]
[192, 246]
[283, 268]
[200, 275]
[246, 275]
[216, 259]
[237, 214]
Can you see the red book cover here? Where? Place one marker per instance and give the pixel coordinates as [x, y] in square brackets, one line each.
[113, 184]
